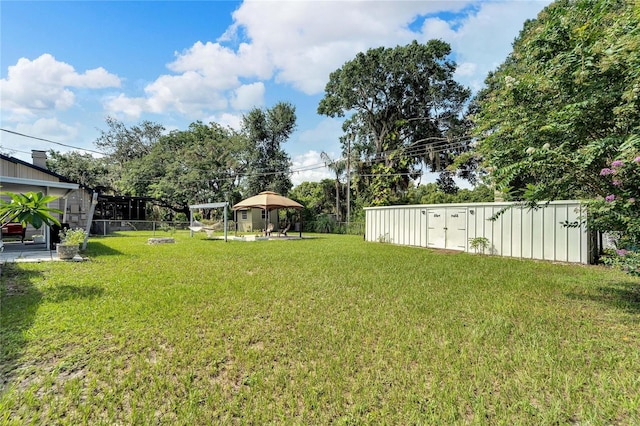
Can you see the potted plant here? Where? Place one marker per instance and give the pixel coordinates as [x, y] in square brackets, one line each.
[69, 245]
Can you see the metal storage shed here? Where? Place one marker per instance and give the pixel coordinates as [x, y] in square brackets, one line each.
[518, 232]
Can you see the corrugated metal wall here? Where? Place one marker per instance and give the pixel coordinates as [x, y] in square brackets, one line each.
[518, 232]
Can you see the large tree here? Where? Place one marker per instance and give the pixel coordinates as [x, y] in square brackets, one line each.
[82, 168]
[404, 111]
[316, 197]
[201, 164]
[269, 166]
[123, 144]
[558, 109]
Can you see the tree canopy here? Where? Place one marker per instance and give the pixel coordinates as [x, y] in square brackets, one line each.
[201, 164]
[404, 111]
[567, 97]
[204, 163]
[123, 145]
[82, 168]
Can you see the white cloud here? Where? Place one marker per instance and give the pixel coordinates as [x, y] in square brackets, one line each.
[221, 64]
[248, 96]
[466, 69]
[226, 120]
[438, 29]
[299, 43]
[189, 94]
[121, 104]
[45, 84]
[308, 167]
[207, 79]
[482, 40]
[51, 128]
[46, 128]
[295, 43]
[306, 40]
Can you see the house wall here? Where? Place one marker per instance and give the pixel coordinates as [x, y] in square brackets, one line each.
[11, 169]
[78, 205]
[518, 232]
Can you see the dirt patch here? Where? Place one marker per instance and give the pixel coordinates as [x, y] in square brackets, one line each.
[446, 251]
[12, 284]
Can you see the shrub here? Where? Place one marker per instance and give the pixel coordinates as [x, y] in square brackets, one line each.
[479, 244]
[70, 237]
[618, 212]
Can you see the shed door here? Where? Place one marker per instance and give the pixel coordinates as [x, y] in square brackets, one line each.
[457, 229]
[437, 228]
[447, 228]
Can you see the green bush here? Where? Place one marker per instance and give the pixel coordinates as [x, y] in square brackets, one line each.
[70, 237]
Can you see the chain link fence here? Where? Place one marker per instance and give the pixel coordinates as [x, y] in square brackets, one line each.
[158, 228]
[152, 227]
[333, 227]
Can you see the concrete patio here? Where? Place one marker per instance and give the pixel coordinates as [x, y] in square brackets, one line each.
[15, 251]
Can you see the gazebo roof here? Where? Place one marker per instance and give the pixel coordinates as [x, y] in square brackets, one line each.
[268, 200]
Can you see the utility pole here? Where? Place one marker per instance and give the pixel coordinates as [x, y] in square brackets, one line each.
[348, 180]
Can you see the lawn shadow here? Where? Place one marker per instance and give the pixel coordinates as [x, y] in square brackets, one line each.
[63, 293]
[96, 248]
[623, 295]
[20, 299]
[210, 239]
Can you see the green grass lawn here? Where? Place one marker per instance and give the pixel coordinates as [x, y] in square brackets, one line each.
[325, 330]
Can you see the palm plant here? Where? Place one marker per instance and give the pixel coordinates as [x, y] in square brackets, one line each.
[28, 208]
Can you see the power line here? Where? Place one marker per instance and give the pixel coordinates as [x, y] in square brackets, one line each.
[13, 150]
[414, 150]
[50, 141]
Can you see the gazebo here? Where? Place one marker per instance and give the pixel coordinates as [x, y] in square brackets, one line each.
[268, 201]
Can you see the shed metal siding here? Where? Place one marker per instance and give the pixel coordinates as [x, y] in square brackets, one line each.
[517, 232]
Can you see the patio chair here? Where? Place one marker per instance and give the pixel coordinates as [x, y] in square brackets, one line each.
[284, 231]
[269, 230]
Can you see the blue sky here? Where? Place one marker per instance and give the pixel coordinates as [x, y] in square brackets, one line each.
[66, 66]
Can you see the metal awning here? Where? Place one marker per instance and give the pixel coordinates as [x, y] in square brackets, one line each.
[208, 206]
